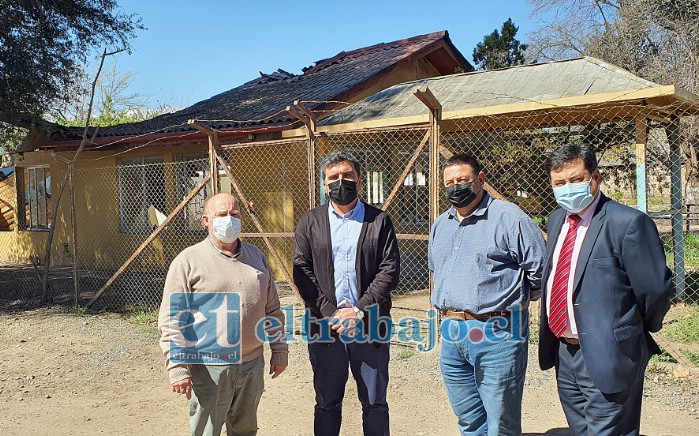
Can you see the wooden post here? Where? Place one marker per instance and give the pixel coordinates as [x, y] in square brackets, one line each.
[73, 225]
[74, 236]
[150, 239]
[309, 120]
[435, 107]
[641, 124]
[213, 146]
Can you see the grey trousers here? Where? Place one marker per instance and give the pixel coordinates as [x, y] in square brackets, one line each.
[226, 394]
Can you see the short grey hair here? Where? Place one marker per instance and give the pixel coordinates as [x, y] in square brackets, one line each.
[337, 157]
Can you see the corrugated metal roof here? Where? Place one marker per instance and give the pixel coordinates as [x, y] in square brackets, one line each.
[527, 83]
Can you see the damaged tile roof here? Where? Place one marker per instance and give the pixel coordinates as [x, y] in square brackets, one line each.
[260, 103]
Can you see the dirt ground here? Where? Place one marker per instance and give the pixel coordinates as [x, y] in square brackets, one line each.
[65, 373]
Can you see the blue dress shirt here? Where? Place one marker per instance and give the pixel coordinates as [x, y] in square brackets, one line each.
[344, 236]
[487, 262]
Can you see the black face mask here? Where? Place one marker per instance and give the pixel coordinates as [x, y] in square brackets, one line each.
[342, 192]
[460, 195]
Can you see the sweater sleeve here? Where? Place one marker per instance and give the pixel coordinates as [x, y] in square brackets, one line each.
[176, 281]
[279, 347]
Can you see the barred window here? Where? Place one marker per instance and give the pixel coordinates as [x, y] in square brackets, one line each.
[37, 192]
[141, 194]
[192, 168]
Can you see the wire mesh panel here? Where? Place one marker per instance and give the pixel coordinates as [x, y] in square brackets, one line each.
[273, 177]
[118, 208]
[637, 155]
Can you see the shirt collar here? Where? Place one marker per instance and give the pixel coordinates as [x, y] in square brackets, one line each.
[587, 214]
[235, 255]
[480, 210]
[356, 211]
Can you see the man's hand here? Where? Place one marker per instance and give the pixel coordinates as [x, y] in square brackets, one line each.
[344, 319]
[183, 387]
[275, 369]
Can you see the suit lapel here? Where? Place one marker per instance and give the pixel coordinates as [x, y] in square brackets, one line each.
[590, 239]
[556, 226]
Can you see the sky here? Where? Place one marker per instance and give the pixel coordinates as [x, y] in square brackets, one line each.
[192, 50]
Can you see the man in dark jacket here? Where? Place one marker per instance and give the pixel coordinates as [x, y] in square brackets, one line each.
[606, 288]
[346, 264]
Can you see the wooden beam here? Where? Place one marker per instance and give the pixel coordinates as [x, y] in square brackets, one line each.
[399, 183]
[213, 142]
[427, 98]
[149, 239]
[309, 120]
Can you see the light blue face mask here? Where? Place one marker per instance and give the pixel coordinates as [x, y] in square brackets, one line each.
[574, 197]
[227, 228]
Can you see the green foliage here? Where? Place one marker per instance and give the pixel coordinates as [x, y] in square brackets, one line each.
[10, 137]
[500, 49]
[114, 103]
[43, 45]
[144, 317]
[685, 329]
[405, 354]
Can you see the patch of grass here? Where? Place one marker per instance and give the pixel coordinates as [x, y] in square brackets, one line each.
[144, 317]
[405, 354]
[691, 250]
[686, 329]
[693, 357]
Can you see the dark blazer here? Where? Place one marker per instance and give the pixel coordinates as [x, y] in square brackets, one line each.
[377, 263]
[622, 291]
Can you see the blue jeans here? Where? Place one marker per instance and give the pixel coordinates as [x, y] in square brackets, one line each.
[484, 378]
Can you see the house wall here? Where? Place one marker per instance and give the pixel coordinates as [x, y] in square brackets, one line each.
[274, 178]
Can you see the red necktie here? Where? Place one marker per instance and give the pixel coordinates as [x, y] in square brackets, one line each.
[558, 310]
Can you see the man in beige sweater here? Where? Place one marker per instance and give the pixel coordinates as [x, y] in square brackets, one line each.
[219, 306]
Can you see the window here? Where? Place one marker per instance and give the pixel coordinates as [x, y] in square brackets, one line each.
[191, 170]
[37, 192]
[141, 194]
[414, 197]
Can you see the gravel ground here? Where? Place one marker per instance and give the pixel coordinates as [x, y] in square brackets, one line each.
[67, 374]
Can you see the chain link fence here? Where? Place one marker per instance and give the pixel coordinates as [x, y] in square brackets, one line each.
[647, 159]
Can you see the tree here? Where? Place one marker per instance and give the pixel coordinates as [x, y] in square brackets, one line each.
[114, 102]
[499, 49]
[43, 45]
[654, 39]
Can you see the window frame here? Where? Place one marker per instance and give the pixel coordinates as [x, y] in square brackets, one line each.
[145, 162]
[27, 198]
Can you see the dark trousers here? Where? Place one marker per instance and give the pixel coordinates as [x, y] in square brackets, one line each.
[588, 410]
[369, 365]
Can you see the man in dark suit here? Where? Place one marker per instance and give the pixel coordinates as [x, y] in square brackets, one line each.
[346, 264]
[606, 288]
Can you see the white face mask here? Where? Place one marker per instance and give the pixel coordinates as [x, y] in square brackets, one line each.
[226, 228]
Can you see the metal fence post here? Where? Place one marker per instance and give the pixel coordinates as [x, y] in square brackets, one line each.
[676, 207]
